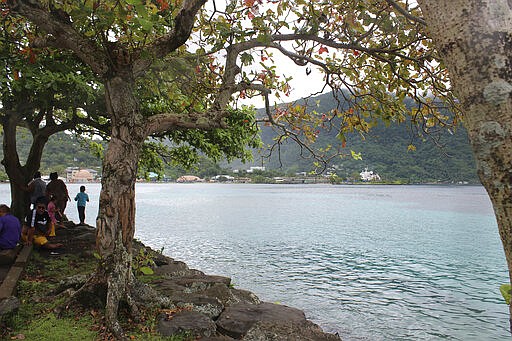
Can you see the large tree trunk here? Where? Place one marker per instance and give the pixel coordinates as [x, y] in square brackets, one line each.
[116, 219]
[19, 175]
[475, 40]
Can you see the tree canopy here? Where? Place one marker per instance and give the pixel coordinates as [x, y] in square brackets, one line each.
[43, 92]
[372, 49]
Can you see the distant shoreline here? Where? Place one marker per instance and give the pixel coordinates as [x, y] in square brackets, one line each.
[395, 183]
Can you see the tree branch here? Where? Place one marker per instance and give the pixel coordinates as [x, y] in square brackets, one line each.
[183, 25]
[60, 34]
[161, 123]
[406, 13]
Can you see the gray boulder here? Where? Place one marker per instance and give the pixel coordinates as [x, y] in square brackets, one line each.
[201, 282]
[209, 306]
[9, 304]
[278, 331]
[185, 321]
[229, 296]
[174, 269]
[238, 319]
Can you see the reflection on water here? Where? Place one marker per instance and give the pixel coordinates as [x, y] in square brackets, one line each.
[370, 262]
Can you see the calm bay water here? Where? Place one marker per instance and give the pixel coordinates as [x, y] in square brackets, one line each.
[368, 262]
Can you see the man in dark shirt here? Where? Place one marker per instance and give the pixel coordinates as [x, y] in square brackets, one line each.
[37, 188]
[58, 189]
[10, 229]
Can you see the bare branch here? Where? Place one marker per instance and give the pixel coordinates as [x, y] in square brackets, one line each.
[251, 86]
[406, 13]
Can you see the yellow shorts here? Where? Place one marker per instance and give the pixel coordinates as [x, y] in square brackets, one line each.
[38, 240]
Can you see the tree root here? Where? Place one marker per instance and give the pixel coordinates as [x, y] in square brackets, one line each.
[108, 292]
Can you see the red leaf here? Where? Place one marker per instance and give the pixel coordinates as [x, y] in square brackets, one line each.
[251, 15]
[322, 50]
[32, 58]
[163, 5]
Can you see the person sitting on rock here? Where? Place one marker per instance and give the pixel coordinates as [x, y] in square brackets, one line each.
[38, 227]
[10, 229]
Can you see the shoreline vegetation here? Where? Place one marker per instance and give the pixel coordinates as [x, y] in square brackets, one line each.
[300, 182]
[191, 304]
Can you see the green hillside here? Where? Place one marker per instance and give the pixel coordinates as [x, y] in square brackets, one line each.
[62, 150]
[385, 151]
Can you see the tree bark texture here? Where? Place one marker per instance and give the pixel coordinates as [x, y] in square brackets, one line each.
[475, 42]
[116, 218]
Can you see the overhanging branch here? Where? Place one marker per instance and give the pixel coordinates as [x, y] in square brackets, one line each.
[161, 123]
[183, 25]
[61, 34]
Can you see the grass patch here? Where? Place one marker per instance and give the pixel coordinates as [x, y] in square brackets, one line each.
[51, 328]
[36, 317]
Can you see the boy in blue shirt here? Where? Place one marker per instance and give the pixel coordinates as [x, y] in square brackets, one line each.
[81, 198]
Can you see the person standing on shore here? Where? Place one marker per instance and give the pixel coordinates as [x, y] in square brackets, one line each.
[37, 188]
[81, 198]
[57, 188]
[55, 216]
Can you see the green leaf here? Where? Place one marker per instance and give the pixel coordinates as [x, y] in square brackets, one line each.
[356, 156]
[246, 58]
[146, 270]
[505, 292]
[145, 24]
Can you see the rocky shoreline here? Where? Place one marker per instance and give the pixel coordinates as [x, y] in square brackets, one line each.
[206, 307]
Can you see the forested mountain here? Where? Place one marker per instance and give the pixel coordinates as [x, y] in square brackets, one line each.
[384, 151]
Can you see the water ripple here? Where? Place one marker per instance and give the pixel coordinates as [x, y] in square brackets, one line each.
[393, 263]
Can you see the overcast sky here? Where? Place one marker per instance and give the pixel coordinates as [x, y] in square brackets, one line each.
[302, 84]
